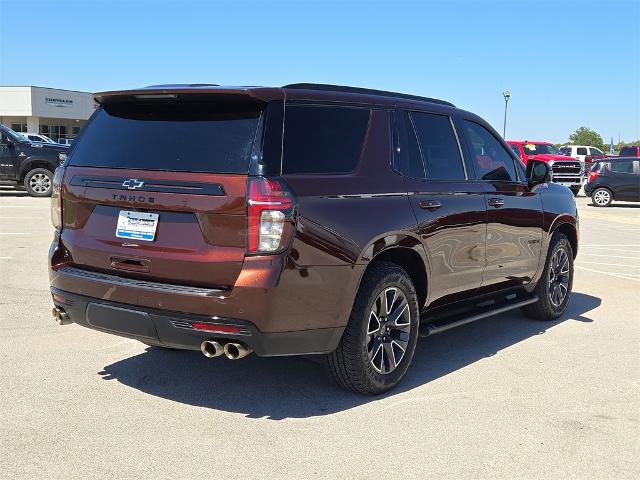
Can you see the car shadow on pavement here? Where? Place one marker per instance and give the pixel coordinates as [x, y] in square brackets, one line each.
[13, 193]
[297, 387]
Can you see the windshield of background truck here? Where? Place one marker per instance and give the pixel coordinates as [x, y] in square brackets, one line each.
[539, 149]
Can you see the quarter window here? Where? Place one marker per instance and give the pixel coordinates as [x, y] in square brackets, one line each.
[491, 159]
[439, 146]
[409, 161]
[322, 139]
[622, 166]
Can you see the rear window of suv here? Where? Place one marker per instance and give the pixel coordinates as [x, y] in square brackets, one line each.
[203, 137]
[323, 139]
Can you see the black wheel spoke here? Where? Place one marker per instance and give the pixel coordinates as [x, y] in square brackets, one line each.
[388, 330]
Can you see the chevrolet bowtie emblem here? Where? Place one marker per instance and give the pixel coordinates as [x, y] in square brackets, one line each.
[132, 184]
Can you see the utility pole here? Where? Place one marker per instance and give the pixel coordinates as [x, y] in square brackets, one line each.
[506, 94]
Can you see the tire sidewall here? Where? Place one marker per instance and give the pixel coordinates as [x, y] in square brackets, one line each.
[27, 180]
[397, 279]
[561, 242]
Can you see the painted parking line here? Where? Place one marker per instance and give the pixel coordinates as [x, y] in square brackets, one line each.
[607, 246]
[610, 256]
[14, 233]
[617, 275]
[609, 263]
[5, 258]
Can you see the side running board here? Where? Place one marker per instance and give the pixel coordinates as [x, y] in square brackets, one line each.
[431, 328]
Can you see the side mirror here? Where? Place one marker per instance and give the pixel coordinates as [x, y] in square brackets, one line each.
[538, 172]
[10, 144]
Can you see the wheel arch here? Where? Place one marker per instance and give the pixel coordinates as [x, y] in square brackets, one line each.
[33, 163]
[570, 231]
[405, 251]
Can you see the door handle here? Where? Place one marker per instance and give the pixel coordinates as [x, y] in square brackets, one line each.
[430, 205]
[496, 202]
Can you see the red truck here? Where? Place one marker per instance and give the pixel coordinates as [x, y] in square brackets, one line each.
[567, 171]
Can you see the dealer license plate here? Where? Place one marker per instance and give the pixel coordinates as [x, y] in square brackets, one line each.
[137, 225]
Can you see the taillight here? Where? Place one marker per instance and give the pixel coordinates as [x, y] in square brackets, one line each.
[270, 209]
[593, 175]
[56, 198]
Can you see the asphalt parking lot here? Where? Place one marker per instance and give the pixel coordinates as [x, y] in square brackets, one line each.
[501, 398]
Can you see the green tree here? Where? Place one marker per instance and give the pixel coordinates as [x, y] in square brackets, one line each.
[586, 136]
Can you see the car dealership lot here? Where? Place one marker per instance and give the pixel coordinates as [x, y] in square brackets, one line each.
[503, 397]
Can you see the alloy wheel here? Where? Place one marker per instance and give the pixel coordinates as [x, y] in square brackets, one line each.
[602, 197]
[388, 330]
[40, 183]
[559, 277]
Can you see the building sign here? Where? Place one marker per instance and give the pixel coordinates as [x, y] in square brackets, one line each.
[58, 102]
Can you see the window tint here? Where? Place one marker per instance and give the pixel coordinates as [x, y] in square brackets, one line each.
[408, 159]
[440, 150]
[565, 151]
[323, 139]
[582, 151]
[622, 166]
[492, 160]
[629, 151]
[203, 137]
[595, 151]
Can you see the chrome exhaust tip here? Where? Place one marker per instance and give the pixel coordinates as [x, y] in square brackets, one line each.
[211, 349]
[60, 316]
[236, 351]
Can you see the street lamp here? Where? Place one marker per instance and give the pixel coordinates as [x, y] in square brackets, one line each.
[506, 94]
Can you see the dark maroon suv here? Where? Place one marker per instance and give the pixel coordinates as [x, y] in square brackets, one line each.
[307, 219]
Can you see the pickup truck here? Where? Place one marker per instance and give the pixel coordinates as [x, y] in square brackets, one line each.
[29, 164]
[567, 171]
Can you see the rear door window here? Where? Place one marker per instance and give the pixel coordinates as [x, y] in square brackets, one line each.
[582, 151]
[203, 137]
[323, 139]
[439, 146]
[491, 159]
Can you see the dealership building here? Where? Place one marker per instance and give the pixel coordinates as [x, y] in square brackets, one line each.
[52, 112]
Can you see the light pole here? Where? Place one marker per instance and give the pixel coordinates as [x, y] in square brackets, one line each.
[506, 94]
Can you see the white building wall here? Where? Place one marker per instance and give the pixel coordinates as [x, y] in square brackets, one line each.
[15, 101]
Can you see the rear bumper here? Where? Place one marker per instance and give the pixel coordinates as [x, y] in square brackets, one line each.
[174, 329]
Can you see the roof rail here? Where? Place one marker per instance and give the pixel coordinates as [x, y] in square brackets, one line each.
[175, 85]
[364, 91]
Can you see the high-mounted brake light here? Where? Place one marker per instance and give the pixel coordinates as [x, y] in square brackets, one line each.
[269, 206]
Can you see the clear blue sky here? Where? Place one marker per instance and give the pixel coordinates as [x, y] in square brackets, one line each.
[567, 64]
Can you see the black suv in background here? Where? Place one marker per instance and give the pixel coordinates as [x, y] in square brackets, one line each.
[615, 178]
[27, 163]
[305, 219]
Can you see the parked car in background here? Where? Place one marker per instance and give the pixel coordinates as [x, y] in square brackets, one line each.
[614, 179]
[567, 171]
[327, 220]
[36, 137]
[630, 151]
[65, 141]
[23, 162]
[586, 154]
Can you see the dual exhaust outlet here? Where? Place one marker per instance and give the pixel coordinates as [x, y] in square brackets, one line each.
[233, 351]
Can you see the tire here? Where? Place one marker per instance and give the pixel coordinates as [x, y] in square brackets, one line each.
[550, 306]
[363, 362]
[39, 182]
[575, 190]
[601, 197]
